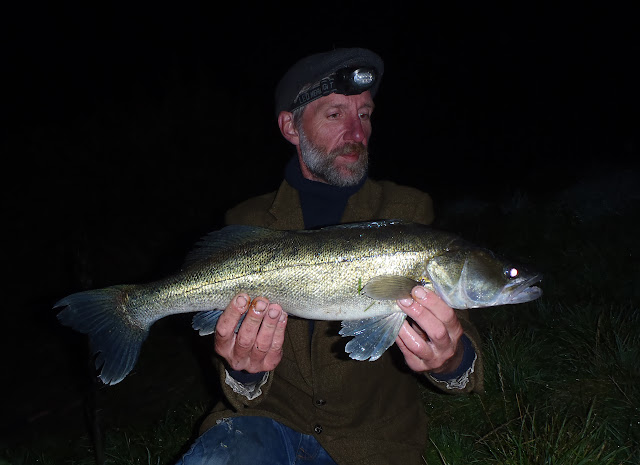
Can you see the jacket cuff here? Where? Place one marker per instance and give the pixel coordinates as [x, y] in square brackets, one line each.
[245, 377]
[459, 378]
[251, 388]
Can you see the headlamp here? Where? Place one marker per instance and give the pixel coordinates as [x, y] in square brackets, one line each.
[345, 81]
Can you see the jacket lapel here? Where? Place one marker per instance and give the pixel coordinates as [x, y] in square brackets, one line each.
[363, 205]
[286, 209]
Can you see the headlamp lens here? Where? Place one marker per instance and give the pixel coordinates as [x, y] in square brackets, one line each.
[363, 77]
[351, 81]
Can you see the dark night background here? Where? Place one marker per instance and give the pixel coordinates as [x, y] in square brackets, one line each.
[128, 130]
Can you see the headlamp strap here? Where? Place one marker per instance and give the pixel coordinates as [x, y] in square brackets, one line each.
[325, 87]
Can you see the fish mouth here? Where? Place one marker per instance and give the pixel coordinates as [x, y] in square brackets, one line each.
[525, 291]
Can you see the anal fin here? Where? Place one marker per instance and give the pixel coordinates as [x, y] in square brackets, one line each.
[205, 322]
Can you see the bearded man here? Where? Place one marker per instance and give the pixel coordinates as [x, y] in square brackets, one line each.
[291, 394]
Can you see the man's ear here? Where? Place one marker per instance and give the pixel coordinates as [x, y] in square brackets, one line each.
[287, 128]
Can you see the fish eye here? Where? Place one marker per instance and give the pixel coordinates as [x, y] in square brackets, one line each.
[511, 273]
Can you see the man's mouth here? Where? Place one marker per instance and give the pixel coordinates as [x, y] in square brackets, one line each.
[351, 153]
[350, 156]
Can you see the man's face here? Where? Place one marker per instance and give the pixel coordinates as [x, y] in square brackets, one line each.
[334, 135]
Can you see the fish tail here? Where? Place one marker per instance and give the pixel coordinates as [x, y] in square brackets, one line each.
[114, 335]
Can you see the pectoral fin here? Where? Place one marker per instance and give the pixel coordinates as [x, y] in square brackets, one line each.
[389, 287]
[373, 336]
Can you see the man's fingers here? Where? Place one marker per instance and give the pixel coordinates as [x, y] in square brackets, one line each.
[413, 361]
[433, 328]
[414, 340]
[432, 318]
[257, 345]
[264, 337]
[435, 304]
[248, 332]
[273, 355]
[229, 319]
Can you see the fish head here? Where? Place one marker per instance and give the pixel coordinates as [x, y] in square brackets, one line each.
[475, 277]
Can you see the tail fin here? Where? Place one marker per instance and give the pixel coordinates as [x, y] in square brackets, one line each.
[114, 336]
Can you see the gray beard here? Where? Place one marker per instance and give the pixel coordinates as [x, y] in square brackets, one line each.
[320, 162]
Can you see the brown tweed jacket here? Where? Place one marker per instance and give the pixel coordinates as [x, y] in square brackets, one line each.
[361, 412]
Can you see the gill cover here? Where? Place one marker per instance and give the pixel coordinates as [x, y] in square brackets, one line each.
[470, 278]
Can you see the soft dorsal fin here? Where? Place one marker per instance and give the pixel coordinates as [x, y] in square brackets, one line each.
[227, 237]
[389, 287]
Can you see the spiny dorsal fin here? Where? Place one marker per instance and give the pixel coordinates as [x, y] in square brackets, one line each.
[367, 224]
[389, 287]
[227, 237]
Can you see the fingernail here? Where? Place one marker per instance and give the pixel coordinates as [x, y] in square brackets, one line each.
[406, 302]
[241, 302]
[274, 312]
[420, 293]
[259, 306]
[283, 317]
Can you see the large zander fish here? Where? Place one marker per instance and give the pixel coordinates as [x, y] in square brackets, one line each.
[353, 272]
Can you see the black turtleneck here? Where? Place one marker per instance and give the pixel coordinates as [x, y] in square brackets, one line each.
[322, 204]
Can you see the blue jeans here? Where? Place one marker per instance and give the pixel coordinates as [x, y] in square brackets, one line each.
[255, 441]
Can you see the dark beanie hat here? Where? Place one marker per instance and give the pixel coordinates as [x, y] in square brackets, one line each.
[313, 68]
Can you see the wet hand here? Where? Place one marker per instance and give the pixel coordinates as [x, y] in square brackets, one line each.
[432, 341]
[257, 346]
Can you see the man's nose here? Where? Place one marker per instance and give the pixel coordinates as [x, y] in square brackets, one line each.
[355, 130]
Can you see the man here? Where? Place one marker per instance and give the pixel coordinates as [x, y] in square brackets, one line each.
[292, 396]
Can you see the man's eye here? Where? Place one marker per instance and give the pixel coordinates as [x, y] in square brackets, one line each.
[364, 115]
[334, 115]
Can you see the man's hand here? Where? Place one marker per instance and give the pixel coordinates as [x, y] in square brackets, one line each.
[257, 346]
[432, 343]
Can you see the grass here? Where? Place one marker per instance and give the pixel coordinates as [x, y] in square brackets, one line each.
[554, 438]
[562, 382]
[575, 402]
